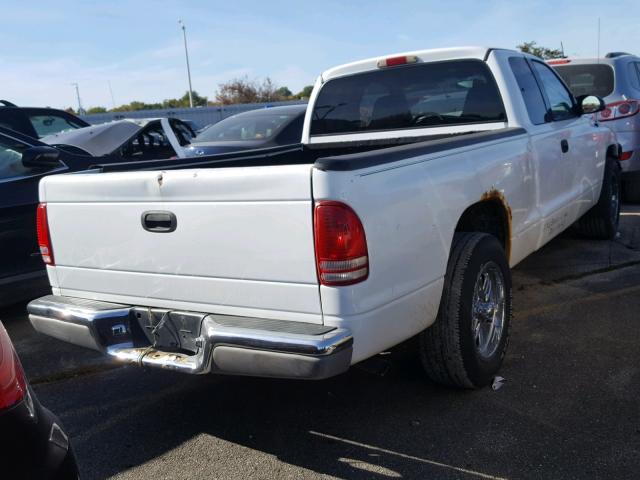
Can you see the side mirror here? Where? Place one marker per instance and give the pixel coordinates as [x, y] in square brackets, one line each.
[41, 157]
[590, 104]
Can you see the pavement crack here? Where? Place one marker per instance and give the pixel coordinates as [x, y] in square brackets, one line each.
[73, 373]
[610, 268]
[578, 276]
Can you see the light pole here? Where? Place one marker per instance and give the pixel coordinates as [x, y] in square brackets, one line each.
[80, 109]
[186, 54]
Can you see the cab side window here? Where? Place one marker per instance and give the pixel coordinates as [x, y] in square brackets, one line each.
[531, 94]
[11, 159]
[560, 99]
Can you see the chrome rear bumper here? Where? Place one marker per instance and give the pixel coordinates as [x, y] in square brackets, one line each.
[221, 344]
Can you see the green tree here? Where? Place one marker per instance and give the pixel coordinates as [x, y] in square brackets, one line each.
[97, 110]
[244, 90]
[545, 53]
[284, 92]
[305, 92]
[183, 102]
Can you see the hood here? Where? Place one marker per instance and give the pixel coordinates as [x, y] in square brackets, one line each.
[97, 140]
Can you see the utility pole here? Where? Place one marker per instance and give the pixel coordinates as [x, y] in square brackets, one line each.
[598, 39]
[186, 54]
[80, 109]
[113, 102]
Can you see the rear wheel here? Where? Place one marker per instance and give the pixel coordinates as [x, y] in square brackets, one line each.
[467, 343]
[602, 220]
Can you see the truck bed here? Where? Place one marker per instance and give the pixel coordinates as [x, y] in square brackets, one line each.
[327, 157]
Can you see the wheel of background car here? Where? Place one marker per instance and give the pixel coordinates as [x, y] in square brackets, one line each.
[467, 343]
[423, 119]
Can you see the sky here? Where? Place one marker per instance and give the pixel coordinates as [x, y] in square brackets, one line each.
[136, 46]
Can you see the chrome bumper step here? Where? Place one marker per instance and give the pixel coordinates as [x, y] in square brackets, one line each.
[219, 344]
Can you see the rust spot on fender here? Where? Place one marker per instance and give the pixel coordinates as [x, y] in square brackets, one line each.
[496, 195]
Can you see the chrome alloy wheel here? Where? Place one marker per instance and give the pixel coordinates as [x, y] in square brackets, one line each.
[488, 309]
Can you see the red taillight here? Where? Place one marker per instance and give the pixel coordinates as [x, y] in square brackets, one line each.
[626, 155]
[560, 61]
[616, 110]
[395, 61]
[44, 239]
[13, 384]
[341, 246]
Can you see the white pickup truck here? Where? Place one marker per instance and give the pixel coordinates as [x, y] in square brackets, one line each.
[420, 180]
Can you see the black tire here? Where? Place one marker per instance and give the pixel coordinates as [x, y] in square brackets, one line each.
[601, 222]
[448, 349]
[631, 190]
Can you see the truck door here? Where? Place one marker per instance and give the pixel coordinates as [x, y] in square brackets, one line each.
[555, 142]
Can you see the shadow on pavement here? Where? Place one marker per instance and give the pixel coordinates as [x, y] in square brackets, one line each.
[568, 409]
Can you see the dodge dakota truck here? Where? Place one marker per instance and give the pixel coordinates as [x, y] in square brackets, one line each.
[421, 179]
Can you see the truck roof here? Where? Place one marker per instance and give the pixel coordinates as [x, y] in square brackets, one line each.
[430, 55]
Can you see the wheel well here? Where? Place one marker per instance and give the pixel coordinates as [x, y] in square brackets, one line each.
[492, 216]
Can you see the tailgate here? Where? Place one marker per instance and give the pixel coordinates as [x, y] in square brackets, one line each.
[242, 244]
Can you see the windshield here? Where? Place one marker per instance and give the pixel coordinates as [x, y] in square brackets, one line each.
[588, 79]
[51, 124]
[423, 95]
[261, 126]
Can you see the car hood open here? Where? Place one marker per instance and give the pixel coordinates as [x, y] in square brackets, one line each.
[98, 140]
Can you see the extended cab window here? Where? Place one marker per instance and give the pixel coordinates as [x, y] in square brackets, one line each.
[422, 95]
[530, 90]
[559, 97]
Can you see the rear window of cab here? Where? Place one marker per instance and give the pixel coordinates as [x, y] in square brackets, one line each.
[420, 95]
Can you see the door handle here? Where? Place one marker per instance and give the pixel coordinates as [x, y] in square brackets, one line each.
[157, 221]
[564, 145]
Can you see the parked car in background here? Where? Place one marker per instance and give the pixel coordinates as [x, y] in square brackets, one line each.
[128, 139]
[33, 444]
[24, 161]
[304, 260]
[263, 128]
[615, 78]
[37, 122]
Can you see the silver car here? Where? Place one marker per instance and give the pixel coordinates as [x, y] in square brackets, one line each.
[615, 78]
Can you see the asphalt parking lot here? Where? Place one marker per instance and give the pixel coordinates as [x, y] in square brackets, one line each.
[569, 406]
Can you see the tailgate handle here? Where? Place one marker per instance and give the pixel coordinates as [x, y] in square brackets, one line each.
[158, 221]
